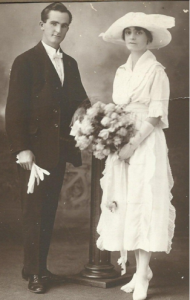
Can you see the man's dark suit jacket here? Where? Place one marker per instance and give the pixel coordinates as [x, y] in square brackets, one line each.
[39, 109]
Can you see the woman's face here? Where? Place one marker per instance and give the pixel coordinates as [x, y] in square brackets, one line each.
[135, 39]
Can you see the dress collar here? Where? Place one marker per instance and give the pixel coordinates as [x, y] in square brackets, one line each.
[148, 55]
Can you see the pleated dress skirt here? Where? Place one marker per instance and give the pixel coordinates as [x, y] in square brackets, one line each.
[144, 218]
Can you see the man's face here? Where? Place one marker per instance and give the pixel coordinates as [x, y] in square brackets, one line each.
[55, 28]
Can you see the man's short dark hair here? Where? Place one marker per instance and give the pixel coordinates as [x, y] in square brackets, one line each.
[56, 6]
[147, 32]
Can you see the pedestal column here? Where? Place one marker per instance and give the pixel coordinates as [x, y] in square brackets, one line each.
[99, 265]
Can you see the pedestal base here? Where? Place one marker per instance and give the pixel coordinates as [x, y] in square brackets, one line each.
[101, 283]
[99, 271]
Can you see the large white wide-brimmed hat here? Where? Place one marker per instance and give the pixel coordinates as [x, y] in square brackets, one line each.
[157, 24]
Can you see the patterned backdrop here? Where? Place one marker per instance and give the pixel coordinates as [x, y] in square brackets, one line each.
[98, 62]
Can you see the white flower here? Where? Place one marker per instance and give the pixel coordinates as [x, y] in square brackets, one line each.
[99, 155]
[99, 105]
[108, 141]
[98, 140]
[95, 109]
[111, 128]
[100, 146]
[75, 128]
[111, 205]
[118, 109]
[105, 121]
[104, 133]
[117, 140]
[91, 137]
[109, 108]
[106, 151]
[115, 124]
[114, 115]
[122, 131]
[120, 124]
[86, 126]
[82, 142]
[124, 119]
[92, 112]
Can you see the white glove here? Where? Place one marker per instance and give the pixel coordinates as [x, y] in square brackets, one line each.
[37, 174]
[127, 150]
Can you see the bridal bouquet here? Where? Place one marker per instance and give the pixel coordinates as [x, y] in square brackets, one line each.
[105, 128]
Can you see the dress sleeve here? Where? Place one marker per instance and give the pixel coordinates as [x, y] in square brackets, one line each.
[159, 95]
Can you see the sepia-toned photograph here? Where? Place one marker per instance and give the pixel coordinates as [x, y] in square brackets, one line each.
[94, 150]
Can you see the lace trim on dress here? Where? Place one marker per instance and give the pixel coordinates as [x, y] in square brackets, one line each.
[172, 211]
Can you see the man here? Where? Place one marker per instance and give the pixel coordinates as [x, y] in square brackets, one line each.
[45, 96]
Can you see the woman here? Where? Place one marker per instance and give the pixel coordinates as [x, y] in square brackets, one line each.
[139, 180]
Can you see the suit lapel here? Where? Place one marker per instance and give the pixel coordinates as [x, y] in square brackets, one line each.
[50, 73]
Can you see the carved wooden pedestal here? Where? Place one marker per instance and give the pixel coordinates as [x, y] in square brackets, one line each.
[99, 271]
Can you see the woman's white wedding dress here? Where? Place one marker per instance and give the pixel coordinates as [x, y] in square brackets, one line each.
[144, 218]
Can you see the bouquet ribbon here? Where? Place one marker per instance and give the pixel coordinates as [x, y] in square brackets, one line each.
[36, 174]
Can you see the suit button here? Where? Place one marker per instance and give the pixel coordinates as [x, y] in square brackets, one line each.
[55, 110]
[56, 125]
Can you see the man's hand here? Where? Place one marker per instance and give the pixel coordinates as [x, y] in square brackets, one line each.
[26, 159]
[78, 115]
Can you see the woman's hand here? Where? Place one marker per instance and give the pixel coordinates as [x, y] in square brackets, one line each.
[147, 127]
[126, 151]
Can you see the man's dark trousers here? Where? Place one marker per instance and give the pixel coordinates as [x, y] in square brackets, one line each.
[39, 209]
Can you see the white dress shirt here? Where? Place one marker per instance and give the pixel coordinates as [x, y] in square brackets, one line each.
[57, 62]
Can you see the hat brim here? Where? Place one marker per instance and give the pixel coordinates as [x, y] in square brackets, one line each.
[161, 36]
